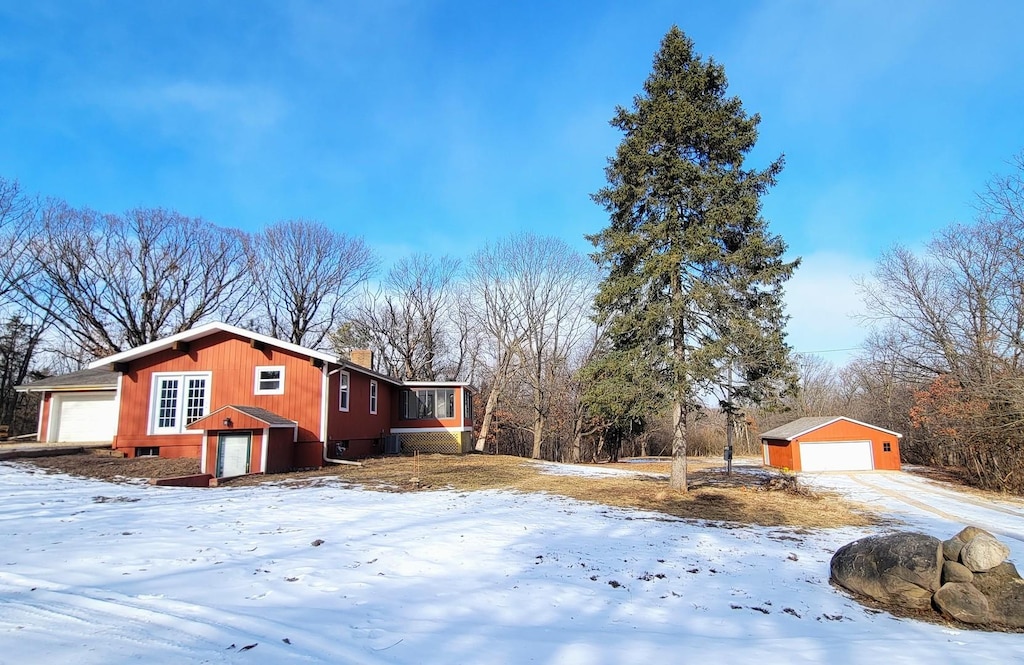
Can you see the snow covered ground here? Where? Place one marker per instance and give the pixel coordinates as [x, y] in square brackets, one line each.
[92, 572]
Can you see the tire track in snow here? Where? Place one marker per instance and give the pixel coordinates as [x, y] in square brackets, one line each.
[933, 510]
[124, 618]
[956, 496]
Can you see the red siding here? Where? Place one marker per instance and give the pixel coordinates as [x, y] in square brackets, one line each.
[780, 454]
[44, 420]
[358, 424]
[307, 455]
[280, 453]
[232, 362]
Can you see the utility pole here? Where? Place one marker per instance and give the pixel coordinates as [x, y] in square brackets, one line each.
[728, 426]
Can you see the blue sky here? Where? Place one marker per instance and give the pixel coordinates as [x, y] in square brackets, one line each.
[439, 126]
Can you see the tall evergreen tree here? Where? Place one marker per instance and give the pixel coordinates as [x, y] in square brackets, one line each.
[694, 277]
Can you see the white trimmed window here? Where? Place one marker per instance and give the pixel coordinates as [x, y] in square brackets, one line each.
[429, 403]
[373, 396]
[343, 389]
[178, 400]
[269, 380]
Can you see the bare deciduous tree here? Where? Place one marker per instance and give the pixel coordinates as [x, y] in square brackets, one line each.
[16, 212]
[953, 320]
[112, 282]
[531, 299]
[304, 273]
[414, 322]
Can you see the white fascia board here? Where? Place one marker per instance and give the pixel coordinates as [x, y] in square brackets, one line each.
[202, 331]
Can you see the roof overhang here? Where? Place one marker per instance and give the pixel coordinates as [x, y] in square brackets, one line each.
[203, 331]
[65, 389]
[441, 384]
[350, 366]
[240, 419]
[826, 424]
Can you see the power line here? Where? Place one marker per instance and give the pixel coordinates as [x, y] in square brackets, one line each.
[852, 348]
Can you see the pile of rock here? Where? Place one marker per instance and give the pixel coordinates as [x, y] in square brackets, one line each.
[967, 577]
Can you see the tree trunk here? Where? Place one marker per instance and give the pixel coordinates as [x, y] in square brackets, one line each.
[538, 422]
[538, 436]
[677, 481]
[485, 425]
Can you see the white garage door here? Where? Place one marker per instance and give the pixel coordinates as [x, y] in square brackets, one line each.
[84, 417]
[836, 456]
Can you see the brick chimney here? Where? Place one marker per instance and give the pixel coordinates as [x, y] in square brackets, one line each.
[362, 357]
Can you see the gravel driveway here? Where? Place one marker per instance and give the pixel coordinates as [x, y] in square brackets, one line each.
[934, 507]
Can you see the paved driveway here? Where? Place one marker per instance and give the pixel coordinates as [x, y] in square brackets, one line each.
[931, 506]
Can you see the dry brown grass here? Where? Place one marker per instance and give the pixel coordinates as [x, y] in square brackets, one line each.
[741, 498]
[744, 497]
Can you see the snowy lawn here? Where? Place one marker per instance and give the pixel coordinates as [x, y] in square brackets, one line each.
[94, 572]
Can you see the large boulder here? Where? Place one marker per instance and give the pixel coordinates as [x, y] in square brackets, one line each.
[969, 532]
[951, 548]
[956, 572]
[1004, 589]
[1003, 574]
[898, 569]
[963, 602]
[983, 552]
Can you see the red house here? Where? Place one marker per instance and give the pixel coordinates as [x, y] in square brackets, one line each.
[242, 402]
[831, 443]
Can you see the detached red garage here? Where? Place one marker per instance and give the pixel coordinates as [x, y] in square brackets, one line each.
[831, 443]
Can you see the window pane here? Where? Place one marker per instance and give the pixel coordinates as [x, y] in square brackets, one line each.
[167, 404]
[195, 407]
[343, 391]
[426, 402]
[270, 379]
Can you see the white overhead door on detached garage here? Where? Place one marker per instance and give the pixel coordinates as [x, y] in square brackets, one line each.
[83, 417]
[836, 456]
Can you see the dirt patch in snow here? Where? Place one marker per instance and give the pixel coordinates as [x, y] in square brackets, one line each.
[104, 467]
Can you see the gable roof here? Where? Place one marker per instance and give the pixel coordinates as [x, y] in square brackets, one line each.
[801, 426]
[264, 416]
[203, 331]
[86, 379]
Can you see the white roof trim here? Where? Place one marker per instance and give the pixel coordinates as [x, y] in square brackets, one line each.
[443, 384]
[350, 366]
[849, 420]
[202, 331]
[91, 387]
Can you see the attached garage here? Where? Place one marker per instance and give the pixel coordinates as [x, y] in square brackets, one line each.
[81, 417]
[831, 443]
[80, 407]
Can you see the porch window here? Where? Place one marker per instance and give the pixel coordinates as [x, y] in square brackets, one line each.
[270, 380]
[373, 396]
[343, 391]
[427, 403]
[467, 404]
[178, 400]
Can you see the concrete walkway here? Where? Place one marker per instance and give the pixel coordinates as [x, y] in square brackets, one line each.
[16, 449]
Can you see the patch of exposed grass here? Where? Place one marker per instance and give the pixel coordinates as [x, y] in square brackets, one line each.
[744, 497]
[739, 498]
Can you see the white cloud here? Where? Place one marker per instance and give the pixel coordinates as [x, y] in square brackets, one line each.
[231, 118]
